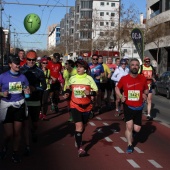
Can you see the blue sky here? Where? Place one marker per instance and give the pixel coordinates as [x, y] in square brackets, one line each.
[48, 15]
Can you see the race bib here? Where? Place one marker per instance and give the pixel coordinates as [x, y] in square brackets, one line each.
[133, 95]
[79, 92]
[15, 87]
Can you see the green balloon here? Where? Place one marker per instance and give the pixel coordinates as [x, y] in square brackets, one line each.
[32, 23]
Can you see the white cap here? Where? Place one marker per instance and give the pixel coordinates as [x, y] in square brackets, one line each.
[38, 58]
[125, 57]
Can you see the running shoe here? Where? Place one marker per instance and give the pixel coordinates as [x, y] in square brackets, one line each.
[117, 113]
[149, 117]
[16, 158]
[70, 119]
[81, 152]
[130, 149]
[91, 115]
[3, 153]
[27, 151]
[40, 115]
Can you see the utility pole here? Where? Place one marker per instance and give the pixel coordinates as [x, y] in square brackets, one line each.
[14, 41]
[66, 28]
[9, 36]
[119, 29]
[1, 36]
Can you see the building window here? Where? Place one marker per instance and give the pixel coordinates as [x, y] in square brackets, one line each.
[86, 14]
[107, 13]
[86, 4]
[101, 33]
[101, 3]
[101, 23]
[112, 14]
[107, 3]
[107, 23]
[101, 13]
[125, 50]
[112, 24]
[134, 51]
[112, 4]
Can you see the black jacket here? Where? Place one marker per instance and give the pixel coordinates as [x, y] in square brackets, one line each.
[36, 79]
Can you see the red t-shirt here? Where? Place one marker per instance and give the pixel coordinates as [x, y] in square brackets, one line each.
[133, 89]
[22, 62]
[55, 69]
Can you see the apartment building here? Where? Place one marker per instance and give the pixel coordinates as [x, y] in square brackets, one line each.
[158, 23]
[53, 36]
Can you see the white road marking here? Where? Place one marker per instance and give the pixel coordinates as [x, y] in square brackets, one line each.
[114, 131]
[92, 124]
[119, 149]
[98, 118]
[124, 139]
[154, 163]
[99, 130]
[108, 139]
[106, 124]
[138, 150]
[133, 163]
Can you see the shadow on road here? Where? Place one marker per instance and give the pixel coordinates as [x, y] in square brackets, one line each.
[101, 133]
[146, 130]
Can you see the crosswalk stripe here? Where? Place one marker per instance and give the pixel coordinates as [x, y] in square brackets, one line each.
[92, 124]
[138, 150]
[133, 163]
[108, 139]
[124, 139]
[154, 163]
[98, 118]
[119, 149]
[106, 124]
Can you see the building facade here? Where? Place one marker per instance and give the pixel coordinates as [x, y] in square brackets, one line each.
[53, 36]
[158, 25]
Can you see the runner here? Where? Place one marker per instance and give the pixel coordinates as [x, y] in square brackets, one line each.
[37, 83]
[83, 88]
[148, 71]
[69, 71]
[21, 55]
[55, 70]
[45, 96]
[135, 91]
[12, 106]
[121, 71]
[104, 82]
[97, 72]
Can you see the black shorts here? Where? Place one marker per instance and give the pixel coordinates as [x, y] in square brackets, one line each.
[33, 112]
[135, 115]
[55, 87]
[15, 114]
[80, 116]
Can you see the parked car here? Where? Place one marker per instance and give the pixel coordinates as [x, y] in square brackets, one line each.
[162, 85]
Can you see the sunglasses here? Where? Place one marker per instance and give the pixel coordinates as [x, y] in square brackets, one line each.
[29, 59]
[44, 63]
[95, 58]
[66, 63]
[123, 63]
[147, 61]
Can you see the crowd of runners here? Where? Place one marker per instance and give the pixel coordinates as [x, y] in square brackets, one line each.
[33, 84]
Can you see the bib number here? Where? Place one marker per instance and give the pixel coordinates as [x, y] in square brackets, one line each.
[133, 95]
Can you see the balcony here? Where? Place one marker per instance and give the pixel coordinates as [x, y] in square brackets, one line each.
[155, 13]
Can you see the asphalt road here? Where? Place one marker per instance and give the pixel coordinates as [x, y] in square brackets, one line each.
[103, 140]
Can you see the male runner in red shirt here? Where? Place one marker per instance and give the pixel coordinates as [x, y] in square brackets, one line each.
[135, 91]
[55, 70]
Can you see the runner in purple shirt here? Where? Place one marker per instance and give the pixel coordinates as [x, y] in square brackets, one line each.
[12, 106]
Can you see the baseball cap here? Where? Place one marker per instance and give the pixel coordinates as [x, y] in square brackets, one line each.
[126, 57]
[31, 54]
[39, 58]
[146, 59]
[44, 59]
[14, 59]
[122, 61]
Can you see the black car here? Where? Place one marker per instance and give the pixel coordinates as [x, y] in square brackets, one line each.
[162, 85]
